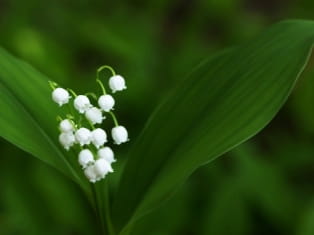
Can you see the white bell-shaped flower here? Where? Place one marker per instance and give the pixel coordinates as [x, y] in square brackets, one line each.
[117, 83]
[94, 115]
[102, 168]
[107, 154]
[90, 173]
[99, 137]
[67, 139]
[66, 125]
[60, 96]
[82, 103]
[85, 158]
[83, 136]
[106, 102]
[119, 134]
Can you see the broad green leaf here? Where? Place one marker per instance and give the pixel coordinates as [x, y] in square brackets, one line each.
[225, 101]
[28, 115]
[28, 120]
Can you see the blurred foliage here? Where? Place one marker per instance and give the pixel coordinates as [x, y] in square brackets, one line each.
[263, 187]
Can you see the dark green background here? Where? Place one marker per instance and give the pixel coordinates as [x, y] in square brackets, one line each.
[265, 186]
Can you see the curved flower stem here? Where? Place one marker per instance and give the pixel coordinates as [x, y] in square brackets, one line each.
[72, 92]
[101, 86]
[114, 119]
[101, 68]
[91, 94]
[104, 89]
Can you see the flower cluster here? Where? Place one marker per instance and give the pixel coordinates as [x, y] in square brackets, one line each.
[94, 157]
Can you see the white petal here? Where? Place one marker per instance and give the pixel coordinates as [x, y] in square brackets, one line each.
[82, 103]
[117, 83]
[102, 168]
[83, 136]
[67, 139]
[60, 96]
[107, 154]
[94, 115]
[66, 125]
[90, 173]
[85, 158]
[119, 134]
[99, 137]
[106, 102]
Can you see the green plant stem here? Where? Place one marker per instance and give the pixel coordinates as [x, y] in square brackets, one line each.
[91, 94]
[98, 210]
[114, 118]
[72, 92]
[70, 110]
[101, 68]
[101, 86]
[102, 206]
[91, 124]
[53, 85]
[107, 209]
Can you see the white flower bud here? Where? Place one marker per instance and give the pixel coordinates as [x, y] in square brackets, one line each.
[99, 137]
[60, 96]
[94, 115]
[67, 139]
[106, 102]
[85, 158]
[90, 173]
[66, 125]
[83, 136]
[107, 154]
[117, 83]
[102, 168]
[119, 134]
[82, 103]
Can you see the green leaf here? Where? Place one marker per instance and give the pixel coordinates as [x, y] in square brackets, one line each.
[225, 101]
[28, 115]
[28, 120]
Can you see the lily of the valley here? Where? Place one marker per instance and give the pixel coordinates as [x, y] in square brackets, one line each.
[66, 125]
[83, 136]
[67, 140]
[107, 154]
[98, 137]
[106, 102]
[117, 83]
[85, 158]
[82, 103]
[102, 167]
[60, 96]
[94, 155]
[98, 170]
[94, 115]
[119, 134]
